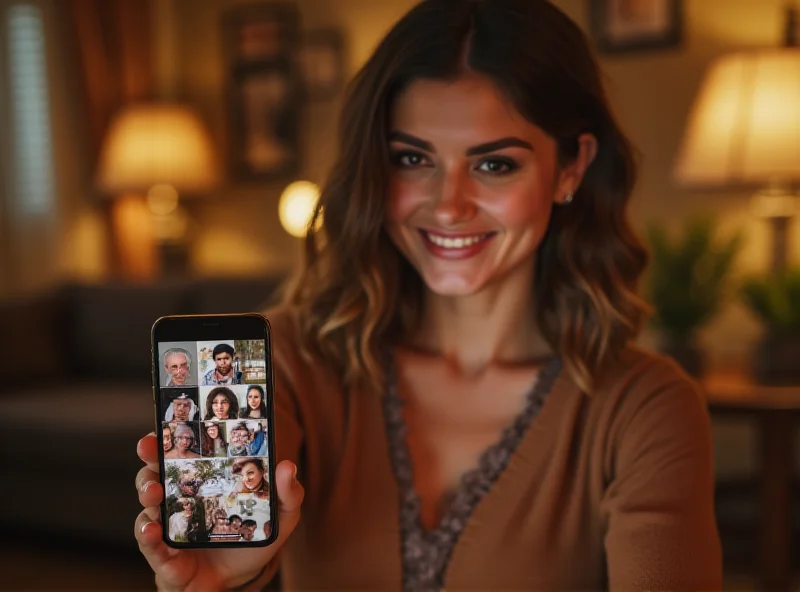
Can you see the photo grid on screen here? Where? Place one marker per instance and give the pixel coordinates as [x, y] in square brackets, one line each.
[213, 418]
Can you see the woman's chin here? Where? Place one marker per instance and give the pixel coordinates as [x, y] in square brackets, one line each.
[454, 286]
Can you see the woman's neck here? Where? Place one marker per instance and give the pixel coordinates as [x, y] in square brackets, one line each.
[496, 326]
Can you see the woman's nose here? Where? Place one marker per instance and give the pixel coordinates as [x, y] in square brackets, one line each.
[454, 202]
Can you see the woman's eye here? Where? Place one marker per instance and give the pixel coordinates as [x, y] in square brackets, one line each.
[409, 159]
[497, 166]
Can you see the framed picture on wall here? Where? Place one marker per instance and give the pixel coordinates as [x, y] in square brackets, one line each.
[260, 44]
[632, 25]
[322, 63]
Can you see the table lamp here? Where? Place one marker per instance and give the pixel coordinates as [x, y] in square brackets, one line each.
[153, 153]
[744, 130]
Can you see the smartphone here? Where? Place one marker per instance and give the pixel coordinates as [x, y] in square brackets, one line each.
[213, 392]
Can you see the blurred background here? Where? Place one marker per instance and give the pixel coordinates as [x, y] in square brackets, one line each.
[161, 157]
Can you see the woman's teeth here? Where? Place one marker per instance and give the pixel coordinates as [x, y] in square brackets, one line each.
[455, 243]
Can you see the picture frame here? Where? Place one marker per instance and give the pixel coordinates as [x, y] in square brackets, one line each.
[322, 63]
[620, 26]
[260, 45]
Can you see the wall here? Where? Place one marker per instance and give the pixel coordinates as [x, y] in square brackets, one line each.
[652, 93]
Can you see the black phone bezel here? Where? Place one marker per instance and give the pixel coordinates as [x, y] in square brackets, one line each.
[175, 328]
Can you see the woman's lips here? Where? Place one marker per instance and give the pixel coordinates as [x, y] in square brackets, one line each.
[455, 246]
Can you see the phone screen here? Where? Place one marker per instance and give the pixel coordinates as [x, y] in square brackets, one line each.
[214, 403]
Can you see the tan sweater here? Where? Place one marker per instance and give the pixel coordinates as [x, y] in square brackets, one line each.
[608, 491]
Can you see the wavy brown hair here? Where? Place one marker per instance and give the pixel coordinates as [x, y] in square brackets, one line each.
[356, 296]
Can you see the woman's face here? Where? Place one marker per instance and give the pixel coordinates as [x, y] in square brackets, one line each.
[252, 476]
[166, 440]
[472, 184]
[253, 399]
[213, 431]
[187, 508]
[220, 405]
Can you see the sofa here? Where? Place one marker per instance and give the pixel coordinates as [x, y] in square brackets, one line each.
[77, 397]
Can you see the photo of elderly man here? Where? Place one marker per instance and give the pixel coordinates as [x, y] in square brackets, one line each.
[180, 404]
[178, 367]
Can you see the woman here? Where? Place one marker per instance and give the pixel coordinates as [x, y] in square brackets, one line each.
[213, 440]
[455, 360]
[184, 440]
[256, 407]
[253, 477]
[221, 403]
[251, 494]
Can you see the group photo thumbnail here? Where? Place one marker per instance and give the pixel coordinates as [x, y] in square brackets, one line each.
[217, 500]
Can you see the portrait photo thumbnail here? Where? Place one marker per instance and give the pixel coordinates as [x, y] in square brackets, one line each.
[221, 402]
[253, 405]
[177, 364]
[180, 439]
[217, 362]
[180, 404]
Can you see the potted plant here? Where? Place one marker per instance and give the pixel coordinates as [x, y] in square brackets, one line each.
[776, 301]
[687, 283]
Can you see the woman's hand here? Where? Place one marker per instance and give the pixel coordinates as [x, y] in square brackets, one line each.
[206, 569]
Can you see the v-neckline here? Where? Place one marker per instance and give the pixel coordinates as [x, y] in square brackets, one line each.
[426, 552]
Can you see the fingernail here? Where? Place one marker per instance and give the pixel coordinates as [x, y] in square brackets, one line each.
[146, 486]
[294, 475]
[145, 525]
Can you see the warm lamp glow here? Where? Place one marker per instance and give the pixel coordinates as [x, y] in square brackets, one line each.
[157, 143]
[745, 125]
[296, 207]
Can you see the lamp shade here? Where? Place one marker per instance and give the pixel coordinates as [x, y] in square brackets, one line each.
[157, 143]
[745, 125]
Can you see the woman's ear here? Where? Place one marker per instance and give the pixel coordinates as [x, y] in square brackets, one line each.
[571, 176]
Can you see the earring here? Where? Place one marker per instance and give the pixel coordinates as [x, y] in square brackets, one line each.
[567, 198]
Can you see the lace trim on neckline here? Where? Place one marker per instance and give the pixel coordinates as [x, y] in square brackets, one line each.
[426, 553]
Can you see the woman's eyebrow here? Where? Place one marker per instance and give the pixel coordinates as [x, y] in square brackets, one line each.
[509, 142]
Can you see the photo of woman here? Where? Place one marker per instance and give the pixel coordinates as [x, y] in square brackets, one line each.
[221, 403]
[251, 476]
[255, 406]
[213, 439]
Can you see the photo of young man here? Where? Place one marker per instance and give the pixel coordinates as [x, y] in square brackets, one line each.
[221, 372]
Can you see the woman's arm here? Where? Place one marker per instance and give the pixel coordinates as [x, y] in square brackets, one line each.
[662, 532]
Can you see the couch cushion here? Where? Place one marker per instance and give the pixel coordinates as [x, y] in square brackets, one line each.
[109, 327]
[35, 327]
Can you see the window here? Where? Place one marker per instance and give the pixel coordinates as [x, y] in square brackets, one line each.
[31, 162]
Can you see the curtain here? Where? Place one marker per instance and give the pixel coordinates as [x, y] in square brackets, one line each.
[114, 50]
[66, 66]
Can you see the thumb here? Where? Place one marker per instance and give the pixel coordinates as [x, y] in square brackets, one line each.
[290, 498]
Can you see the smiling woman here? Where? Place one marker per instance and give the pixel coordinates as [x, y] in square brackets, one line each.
[455, 378]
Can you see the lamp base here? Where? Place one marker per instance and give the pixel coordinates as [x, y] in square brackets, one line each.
[135, 254]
